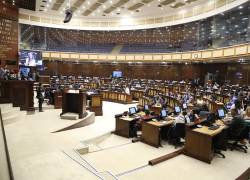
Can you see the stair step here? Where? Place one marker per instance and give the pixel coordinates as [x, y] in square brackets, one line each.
[5, 107]
[8, 112]
[70, 116]
[13, 118]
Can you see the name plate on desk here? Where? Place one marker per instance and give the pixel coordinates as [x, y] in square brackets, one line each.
[72, 91]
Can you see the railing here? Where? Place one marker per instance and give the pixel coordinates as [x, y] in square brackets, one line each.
[5, 163]
[209, 55]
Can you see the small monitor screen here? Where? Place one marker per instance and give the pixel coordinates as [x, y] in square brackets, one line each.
[221, 113]
[30, 58]
[117, 74]
[24, 71]
[177, 109]
[184, 106]
[146, 107]
[163, 113]
[132, 110]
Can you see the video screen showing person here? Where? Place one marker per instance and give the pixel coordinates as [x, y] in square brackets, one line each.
[30, 58]
[117, 74]
[24, 71]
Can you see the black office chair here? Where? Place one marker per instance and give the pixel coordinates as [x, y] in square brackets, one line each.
[178, 132]
[235, 135]
[220, 143]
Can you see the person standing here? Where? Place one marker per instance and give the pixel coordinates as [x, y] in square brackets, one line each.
[40, 97]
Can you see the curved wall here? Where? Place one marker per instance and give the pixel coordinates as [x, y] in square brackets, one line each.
[223, 30]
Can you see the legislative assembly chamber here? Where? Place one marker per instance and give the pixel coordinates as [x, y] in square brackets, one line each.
[124, 90]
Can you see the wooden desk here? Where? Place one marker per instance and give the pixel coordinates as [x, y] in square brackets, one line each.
[137, 94]
[19, 93]
[58, 99]
[143, 101]
[96, 104]
[213, 106]
[199, 142]
[151, 131]
[123, 126]
[74, 101]
[44, 79]
[156, 109]
[116, 97]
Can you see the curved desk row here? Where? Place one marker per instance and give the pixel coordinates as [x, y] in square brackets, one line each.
[213, 106]
[118, 97]
[137, 94]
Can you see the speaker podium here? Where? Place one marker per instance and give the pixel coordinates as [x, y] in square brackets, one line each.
[74, 102]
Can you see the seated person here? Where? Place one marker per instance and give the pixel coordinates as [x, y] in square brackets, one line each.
[204, 107]
[181, 118]
[193, 117]
[142, 118]
[247, 121]
[239, 124]
[237, 107]
[247, 114]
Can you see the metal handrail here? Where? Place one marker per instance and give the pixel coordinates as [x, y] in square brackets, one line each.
[11, 176]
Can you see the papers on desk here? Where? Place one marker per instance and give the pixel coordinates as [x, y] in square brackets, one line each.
[127, 118]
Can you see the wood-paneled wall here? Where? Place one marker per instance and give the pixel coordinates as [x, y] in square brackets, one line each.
[8, 35]
[226, 71]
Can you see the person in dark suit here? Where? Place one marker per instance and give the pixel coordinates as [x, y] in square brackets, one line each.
[238, 123]
[40, 97]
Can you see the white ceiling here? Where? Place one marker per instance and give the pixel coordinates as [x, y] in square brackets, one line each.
[115, 9]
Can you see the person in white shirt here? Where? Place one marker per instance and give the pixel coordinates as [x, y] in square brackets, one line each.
[238, 108]
[181, 118]
[127, 90]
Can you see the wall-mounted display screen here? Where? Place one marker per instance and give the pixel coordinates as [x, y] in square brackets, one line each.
[30, 58]
[117, 74]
